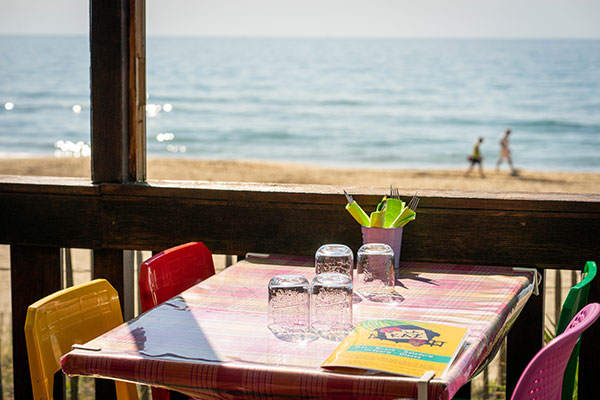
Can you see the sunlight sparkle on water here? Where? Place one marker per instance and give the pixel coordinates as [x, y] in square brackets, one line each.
[70, 149]
[164, 137]
[152, 110]
[176, 148]
[9, 106]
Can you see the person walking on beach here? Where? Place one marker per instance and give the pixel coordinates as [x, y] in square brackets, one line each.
[476, 158]
[505, 152]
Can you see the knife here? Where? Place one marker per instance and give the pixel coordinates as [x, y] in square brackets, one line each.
[356, 211]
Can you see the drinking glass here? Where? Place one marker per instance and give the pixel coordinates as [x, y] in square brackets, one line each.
[331, 305]
[289, 307]
[334, 258]
[375, 272]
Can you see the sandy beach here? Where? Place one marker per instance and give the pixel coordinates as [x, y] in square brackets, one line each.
[262, 171]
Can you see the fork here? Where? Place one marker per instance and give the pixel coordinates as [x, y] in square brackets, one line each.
[414, 202]
[394, 193]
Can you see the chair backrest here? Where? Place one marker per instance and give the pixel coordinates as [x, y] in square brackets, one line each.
[71, 316]
[172, 271]
[543, 376]
[576, 299]
[169, 273]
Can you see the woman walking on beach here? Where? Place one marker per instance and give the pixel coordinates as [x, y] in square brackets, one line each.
[476, 158]
[505, 152]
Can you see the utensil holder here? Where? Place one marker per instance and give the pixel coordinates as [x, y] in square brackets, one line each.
[389, 236]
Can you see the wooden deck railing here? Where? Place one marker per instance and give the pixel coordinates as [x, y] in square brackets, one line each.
[40, 215]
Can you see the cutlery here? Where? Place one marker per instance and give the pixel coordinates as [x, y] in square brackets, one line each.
[414, 202]
[356, 211]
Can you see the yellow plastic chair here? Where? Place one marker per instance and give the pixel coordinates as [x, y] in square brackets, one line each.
[71, 316]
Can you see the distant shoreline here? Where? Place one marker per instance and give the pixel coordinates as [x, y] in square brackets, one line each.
[296, 173]
[312, 37]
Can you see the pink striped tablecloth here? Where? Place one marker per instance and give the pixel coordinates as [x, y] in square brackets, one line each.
[212, 341]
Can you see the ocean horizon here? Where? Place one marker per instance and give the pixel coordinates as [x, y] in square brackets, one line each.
[361, 103]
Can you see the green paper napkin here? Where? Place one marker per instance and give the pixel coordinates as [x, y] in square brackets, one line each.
[405, 217]
[393, 208]
[377, 219]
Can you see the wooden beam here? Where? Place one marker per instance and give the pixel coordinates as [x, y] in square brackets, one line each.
[542, 231]
[118, 90]
[35, 272]
[43, 212]
[545, 231]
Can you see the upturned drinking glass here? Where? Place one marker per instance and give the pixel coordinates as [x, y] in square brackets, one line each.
[289, 307]
[331, 305]
[334, 258]
[375, 272]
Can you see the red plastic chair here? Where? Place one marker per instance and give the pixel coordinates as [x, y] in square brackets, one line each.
[169, 273]
[172, 271]
[543, 376]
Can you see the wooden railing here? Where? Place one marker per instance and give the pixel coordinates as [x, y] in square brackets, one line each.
[40, 215]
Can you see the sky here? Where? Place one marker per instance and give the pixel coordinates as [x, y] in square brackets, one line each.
[325, 18]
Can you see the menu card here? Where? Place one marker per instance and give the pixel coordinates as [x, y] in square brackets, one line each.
[399, 347]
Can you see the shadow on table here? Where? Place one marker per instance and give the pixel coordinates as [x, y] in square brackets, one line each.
[413, 276]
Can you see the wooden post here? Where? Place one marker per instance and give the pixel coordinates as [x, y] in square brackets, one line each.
[108, 264]
[118, 90]
[68, 267]
[35, 272]
[465, 391]
[128, 285]
[68, 282]
[525, 338]
[557, 295]
[118, 115]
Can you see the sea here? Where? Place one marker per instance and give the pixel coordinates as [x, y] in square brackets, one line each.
[347, 102]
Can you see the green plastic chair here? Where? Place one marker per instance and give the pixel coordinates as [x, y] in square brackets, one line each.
[575, 301]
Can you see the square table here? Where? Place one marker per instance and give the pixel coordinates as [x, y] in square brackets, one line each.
[212, 340]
